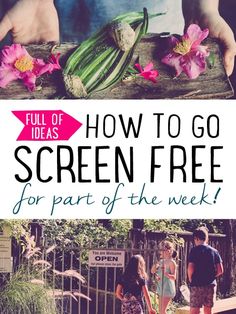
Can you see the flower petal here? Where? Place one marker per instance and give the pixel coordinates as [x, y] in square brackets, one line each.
[54, 60]
[138, 66]
[41, 67]
[195, 34]
[203, 50]
[148, 67]
[148, 72]
[150, 75]
[172, 41]
[194, 65]
[10, 72]
[11, 53]
[29, 80]
[193, 60]
[7, 75]
[173, 59]
[145, 75]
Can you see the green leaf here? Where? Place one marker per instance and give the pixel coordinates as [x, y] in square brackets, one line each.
[98, 62]
[211, 60]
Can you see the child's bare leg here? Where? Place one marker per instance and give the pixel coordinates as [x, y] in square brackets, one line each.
[163, 303]
[194, 310]
[207, 310]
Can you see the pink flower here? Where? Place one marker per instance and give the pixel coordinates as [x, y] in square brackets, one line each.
[16, 63]
[148, 72]
[188, 55]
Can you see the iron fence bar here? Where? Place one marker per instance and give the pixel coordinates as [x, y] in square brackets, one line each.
[97, 284]
[62, 281]
[71, 279]
[148, 258]
[105, 286]
[44, 257]
[79, 302]
[88, 292]
[105, 294]
[149, 252]
[88, 285]
[114, 284]
[53, 274]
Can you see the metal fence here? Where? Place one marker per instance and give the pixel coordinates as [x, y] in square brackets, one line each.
[101, 282]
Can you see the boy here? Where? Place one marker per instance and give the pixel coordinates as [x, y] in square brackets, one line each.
[204, 266]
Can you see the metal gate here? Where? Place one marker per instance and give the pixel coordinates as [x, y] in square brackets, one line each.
[100, 282]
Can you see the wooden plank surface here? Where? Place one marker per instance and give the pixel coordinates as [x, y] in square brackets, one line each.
[220, 306]
[212, 84]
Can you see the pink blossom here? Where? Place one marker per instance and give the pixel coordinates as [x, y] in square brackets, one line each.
[147, 72]
[188, 55]
[16, 63]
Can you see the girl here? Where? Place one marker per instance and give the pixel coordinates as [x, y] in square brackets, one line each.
[165, 274]
[132, 287]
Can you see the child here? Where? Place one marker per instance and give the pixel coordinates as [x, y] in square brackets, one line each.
[132, 287]
[165, 274]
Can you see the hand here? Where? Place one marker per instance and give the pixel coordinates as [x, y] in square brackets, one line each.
[157, 277]
[218, 28]
[206, 14]
[31, 21]
[154, 268]
[152, 311]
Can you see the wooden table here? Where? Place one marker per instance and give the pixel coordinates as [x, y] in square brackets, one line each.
[212, 84]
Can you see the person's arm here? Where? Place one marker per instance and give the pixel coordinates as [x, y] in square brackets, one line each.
[219, 269]
[190, 271]
[148, 300]
[154, 271]
[119, 292]
[31, 21]
[194, 10]
[206, 14]
[154, 268]
[172, 274]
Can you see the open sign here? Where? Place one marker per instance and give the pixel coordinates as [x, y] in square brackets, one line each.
[106, 258]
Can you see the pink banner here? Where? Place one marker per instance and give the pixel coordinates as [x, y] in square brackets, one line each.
[46, 125]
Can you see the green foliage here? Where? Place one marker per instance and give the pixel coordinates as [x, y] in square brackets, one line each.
[80, 232]
[121, 228]
[28, 290]
[211, 60]
[154, 300]
[98, 62]
[19, 295]
[161, 225]
[85, 232]
[17, 227]
[214, 225]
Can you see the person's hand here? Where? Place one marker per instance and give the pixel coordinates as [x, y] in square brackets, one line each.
[157, 277]
[218, 28]
[154, 268]
[206, 14]
[31, 21]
